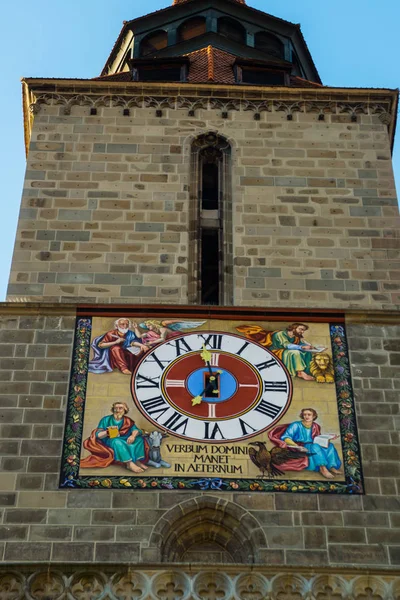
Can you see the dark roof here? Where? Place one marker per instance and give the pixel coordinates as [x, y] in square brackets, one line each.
[175, 2]
[171, 8]
[209, 65]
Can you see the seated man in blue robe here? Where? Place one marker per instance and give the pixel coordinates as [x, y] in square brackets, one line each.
[302, 435]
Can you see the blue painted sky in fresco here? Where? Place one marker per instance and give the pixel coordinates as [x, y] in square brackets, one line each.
[353, 42]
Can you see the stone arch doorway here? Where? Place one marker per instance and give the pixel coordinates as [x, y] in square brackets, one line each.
[208, 529]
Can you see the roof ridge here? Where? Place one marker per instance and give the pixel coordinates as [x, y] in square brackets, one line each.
[210, 56]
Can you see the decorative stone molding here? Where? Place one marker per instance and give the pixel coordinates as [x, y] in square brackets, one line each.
[289, 109]
[222, 104]
[97, 582]
[192, 104]
[381, 110]
[225, 106]
[353, 109]
[208, 519]
[79, 100]
[320, 108]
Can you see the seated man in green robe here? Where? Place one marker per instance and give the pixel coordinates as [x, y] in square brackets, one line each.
[288, 345]
[293, 350]
[116, 439]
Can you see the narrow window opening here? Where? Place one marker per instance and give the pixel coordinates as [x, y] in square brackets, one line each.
[262, 77]
[210, 266]
[232, 29]
[211, 221]
[210, 188]
[153, 43]
[270, 44]
[191, 28]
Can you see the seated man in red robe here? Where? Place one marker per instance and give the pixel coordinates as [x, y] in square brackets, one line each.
[119, 349]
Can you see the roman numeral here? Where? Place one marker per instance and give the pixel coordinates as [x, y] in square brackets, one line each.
[213, 341]
[176, 422]
[243, 425]
[268, 409]
[154, 358]
[216, 431]
[180, 346]
[155, 406]
[175, 383]
[275, 386]
[266, 365]
[214, 360]
[145, 382]
[242, 348]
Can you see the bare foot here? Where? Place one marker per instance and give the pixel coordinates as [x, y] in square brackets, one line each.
[324, 471]
[132, 467]
[304, 375]
[127, 372]
[141, 465]
[335, 471]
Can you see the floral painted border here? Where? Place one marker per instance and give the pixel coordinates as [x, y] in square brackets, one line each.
[70, 477]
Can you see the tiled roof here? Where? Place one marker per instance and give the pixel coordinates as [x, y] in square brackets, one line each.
[122, 76]
[302, 83]
[211, 65]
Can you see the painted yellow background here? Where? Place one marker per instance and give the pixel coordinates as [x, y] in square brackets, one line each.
[104, 389]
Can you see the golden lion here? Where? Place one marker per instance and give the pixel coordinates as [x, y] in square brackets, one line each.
[321, 368]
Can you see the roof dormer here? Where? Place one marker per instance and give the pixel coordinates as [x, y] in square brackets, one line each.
[229, 26]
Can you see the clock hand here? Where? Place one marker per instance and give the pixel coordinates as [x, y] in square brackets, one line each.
[205, 354]
[212, 386]
[199, 399]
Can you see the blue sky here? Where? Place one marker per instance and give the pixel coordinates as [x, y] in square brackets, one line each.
[354, 43]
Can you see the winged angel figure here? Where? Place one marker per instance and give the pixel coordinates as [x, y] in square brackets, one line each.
[123, 346]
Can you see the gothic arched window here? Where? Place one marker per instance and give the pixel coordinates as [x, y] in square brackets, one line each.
[153, 42]
[211, 233]
[191, 28]
[232, 29]
[266, 42]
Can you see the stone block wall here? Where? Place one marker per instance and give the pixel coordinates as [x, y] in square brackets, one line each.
[41, 523]
[105, 207]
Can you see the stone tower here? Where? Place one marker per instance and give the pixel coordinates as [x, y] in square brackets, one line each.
[205, 177]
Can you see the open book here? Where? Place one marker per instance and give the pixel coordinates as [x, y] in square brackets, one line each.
[134, 350]
[317, 349]
[323, 439]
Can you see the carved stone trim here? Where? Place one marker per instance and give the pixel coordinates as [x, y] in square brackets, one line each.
[289, 108]
[225, 105]
[353, 109]
[384, 115]
[199, 582]
[192, 104]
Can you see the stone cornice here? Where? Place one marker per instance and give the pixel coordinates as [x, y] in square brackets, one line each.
[223, 98]
[194, 582]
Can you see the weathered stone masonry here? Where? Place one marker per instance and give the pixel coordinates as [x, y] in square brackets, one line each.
[105, 208]
[42, 523]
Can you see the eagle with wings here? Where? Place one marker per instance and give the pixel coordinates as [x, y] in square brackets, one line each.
[268, 461]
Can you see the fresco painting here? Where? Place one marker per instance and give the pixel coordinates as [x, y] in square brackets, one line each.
[211, 404]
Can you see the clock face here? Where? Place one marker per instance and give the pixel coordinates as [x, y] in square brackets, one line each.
[233, 391]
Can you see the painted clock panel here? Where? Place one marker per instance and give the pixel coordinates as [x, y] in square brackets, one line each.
[220, 404]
